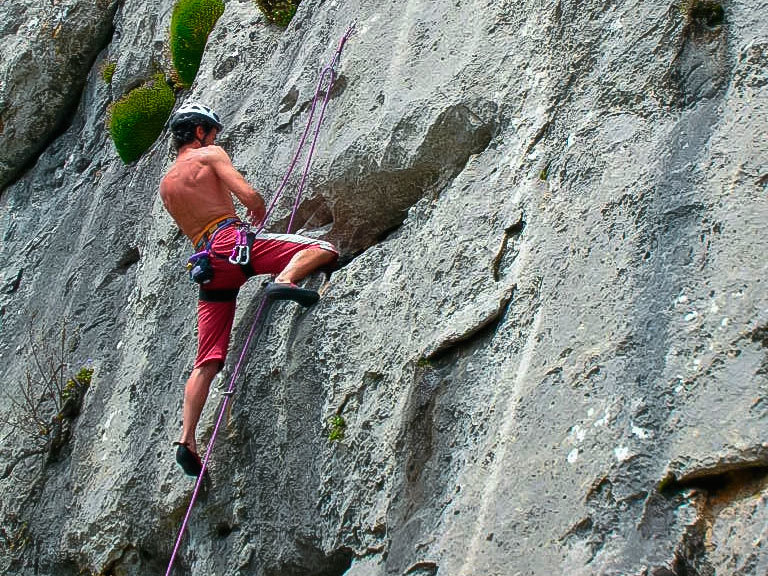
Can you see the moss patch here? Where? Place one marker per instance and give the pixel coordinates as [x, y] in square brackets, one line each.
[278, 12]
[191, 23]
[78, 384]
[337, 428]
[137, 119]
[107, 71]
[706, 12]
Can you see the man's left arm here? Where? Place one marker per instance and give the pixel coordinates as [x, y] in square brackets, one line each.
[235, 183]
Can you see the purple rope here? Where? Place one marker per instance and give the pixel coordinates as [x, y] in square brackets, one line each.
[284, 182]
[328, 69]
[231, 389]
[224, 404]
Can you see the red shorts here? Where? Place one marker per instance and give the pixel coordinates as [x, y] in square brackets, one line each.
[269, 255]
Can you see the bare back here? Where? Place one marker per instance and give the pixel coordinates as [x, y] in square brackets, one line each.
[194, 194]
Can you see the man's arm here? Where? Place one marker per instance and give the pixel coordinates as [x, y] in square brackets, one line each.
[222, 165]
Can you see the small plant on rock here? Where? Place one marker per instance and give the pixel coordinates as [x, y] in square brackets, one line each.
[424, 362]
[338, 426]
[72, 393]
[278, 12]
[706, 12]
[108, 70]
[137, 119]
[14, 536]
[15, 540]
[46, 401]
[191, 23]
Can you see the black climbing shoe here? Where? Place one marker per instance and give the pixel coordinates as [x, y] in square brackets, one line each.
[286, 291]
[188, 460]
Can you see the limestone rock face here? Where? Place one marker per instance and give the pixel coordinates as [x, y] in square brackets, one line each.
[48, 49]
[548, 343]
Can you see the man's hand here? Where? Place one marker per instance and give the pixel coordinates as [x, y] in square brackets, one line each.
[254, 218]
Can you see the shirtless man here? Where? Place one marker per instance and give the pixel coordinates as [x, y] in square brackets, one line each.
[197, 192]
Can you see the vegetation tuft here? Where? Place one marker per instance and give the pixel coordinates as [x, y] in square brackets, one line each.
[46, 401]
[137, 119]
[338, 426]
[706, 12]
[14, 536]
[191, 23]
[278, 12]
[108, 70]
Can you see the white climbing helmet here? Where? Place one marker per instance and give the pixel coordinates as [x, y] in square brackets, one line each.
[195, 111]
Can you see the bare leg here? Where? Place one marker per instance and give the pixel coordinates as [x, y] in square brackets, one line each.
[195, 395]
[303, 263]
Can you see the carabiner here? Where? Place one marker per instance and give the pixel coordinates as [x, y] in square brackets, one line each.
[241, 255]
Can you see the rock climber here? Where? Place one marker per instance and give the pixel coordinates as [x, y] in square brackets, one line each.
[197, 192]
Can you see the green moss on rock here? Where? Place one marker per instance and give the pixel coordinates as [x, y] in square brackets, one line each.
[705, 12]
[108, 71]
[278, 12]
[137, 119]
[191, 23]
[338, 427]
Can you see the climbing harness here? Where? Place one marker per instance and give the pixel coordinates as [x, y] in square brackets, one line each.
[199, 264]
[206, 238]
[328, 71]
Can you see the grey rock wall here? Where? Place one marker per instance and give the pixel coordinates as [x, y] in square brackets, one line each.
[48, 48]
[548, 345]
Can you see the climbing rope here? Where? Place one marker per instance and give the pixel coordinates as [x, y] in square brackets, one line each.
[330, 72]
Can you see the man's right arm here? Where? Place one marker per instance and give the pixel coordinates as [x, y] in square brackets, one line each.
[232, 179]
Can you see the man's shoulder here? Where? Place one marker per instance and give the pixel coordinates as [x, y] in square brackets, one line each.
[164, 180]
[213, 152]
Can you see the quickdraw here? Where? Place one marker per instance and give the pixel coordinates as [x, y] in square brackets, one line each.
[241, 253]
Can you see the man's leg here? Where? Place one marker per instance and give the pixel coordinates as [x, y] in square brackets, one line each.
[195, 395]
[291, 258]
[303, 263]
